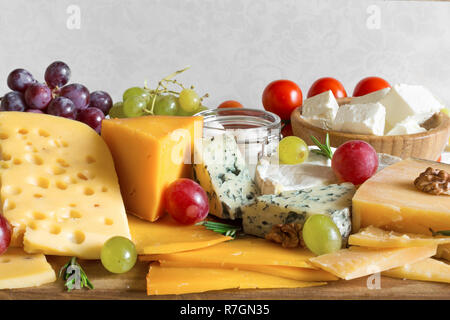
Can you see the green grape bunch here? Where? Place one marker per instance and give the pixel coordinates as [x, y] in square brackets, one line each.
[169, 98]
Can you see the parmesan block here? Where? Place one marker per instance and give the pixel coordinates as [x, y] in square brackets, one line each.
[248, 251]
[171, 280]
[168, 236]
[389, 200]
[361, 118]
[357, 262]
[321, 109]
[378, 238]
[59, 189]
[21, 270]
[405, 100]
[425, 270]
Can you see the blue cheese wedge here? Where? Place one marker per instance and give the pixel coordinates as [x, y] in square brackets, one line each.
[222, 172]
[296, 206]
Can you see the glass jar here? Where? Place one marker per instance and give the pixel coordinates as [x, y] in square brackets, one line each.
[257, 132]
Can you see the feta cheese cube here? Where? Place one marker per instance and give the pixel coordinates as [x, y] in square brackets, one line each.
[361, 118]
[321, 109]
[410, 125]
[372, 97]
[405, 100]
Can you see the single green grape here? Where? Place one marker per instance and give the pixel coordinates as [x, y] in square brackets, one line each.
[189, 100]
[134, 106]
[292, 150]
[321, 235]
[136, 91]
[183, 113]
[116, 111]
[118, 254]
[166, 105]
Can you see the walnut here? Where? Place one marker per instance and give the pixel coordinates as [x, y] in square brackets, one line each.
[433, 181]
[289, 235]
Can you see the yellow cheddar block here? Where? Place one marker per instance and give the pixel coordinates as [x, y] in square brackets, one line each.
[172, 280]
[21, 270]
[379, 238]
[425, 270]
[149, 153]
[357, 262]
[389, 200]
[301, 274]
[168, 236]
[59, 189]
[248, 251]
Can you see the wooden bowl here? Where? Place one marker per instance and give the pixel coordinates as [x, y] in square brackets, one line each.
[426, 145]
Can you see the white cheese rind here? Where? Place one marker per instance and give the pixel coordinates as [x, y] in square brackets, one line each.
[361, 118]
[221, 171]
[321, 109]
[296, 206]
[405, 100]
[372, 97]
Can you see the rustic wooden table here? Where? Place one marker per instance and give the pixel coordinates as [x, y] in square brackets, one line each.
[132, 285]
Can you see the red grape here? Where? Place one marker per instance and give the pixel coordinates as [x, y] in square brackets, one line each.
[35, 111]
[101, 100]
[92, 117]
[186, 201]
[355, 161]
[5, 234]
[62, 107]
[38, 96]
[19, 80]
[57, 74]
[78, 93]
[13, 101]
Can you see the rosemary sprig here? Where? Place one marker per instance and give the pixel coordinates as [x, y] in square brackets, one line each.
[69, 273]
[440, 233]
[222, 228]
[324, 149]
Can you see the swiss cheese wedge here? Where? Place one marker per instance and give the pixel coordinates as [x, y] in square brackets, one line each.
[59, 189]
[21, 270]
[301, 274]
[248, 251]
[149, 153]
[379, 238]
[357, 262]
[425, 270]
[172, 280]
[168, 236]
[389, 200]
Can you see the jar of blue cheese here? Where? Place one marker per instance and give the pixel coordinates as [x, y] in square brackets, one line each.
[257, 132]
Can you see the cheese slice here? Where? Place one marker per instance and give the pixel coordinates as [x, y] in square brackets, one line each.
[425, 270]
[248, 250]
[150, 153]
[375, 237]
[59, 189]
[301, 274]
[357, 262]
[389, 200]
[170, 280]
[21, 270]
[167, 236]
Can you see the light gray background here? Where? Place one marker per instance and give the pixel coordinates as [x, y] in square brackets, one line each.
[234, 47]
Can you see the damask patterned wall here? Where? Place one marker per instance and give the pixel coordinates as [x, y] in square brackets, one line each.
[234, 47]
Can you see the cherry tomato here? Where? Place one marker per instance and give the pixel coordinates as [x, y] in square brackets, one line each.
[325, 84]
[230, 104]
[370, 84]
[282, 97]
[186, 201]
[287, 130]
[354, 161]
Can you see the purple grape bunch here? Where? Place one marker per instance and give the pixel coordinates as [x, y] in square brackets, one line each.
[56, 97]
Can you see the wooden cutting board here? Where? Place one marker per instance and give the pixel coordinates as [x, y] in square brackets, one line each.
[132, 285]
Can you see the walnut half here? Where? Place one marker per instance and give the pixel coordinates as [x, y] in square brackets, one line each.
[433, 181]
[289, 235]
